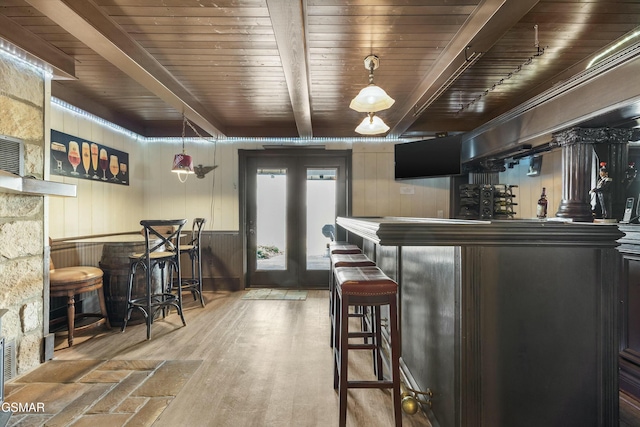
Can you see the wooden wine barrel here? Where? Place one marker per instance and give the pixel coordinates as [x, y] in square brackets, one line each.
[115, 264]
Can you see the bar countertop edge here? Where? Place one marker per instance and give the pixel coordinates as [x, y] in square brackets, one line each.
[408, 231]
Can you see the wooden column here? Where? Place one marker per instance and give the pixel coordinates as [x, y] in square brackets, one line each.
[577, 151]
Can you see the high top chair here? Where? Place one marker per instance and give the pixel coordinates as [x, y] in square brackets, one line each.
[194, 284]
[162, 251]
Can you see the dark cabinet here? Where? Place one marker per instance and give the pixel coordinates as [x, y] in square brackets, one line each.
[630, 311]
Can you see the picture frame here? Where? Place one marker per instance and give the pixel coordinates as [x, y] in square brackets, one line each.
[75, 157]
[535, 165]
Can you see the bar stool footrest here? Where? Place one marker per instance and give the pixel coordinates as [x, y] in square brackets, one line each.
[370, 384]
[363, 346]
[362, 335]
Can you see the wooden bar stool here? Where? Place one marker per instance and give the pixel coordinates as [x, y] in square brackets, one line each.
[344, 260]
[161, 252]
[194, 284]
[71, 281]
[341, 248]
[365, 287]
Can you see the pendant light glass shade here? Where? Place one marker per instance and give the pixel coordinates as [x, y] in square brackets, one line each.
[371, 99]
[183, 166]
[372, 125]
[182, 162]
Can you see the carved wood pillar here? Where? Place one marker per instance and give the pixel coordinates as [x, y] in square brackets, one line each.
[577, 150]
[576, 168]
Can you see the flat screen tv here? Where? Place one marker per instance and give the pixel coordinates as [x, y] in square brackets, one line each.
[428, 158]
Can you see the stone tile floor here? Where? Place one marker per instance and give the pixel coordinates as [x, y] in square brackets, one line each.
[98, 393]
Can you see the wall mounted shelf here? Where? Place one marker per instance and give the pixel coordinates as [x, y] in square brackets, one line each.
[11, 183]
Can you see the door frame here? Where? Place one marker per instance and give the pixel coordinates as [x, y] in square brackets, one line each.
[310, 152]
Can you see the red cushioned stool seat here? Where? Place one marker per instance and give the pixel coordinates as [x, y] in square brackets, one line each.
[344, 248]
[365, 286]
[345, 260]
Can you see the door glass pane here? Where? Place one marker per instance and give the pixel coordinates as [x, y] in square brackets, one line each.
[271, 218]
[321, 216]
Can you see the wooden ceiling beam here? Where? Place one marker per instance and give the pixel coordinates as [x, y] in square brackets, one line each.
[287, 18]
[99, 109]
[39, 50]
[85, 21]
[481, 31]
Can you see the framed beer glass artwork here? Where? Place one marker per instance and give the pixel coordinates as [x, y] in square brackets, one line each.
[75, 157]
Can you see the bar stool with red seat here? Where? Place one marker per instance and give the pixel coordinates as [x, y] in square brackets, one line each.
[344, 248]
[365, 286]
[343, 260]
[339, 248]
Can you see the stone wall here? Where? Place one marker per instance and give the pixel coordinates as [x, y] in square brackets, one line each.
[22, 217]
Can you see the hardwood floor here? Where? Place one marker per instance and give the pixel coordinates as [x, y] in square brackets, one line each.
[629, 411]
[263, 363]
[240, 363]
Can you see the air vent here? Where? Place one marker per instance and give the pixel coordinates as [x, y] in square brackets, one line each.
[12, 155]
[10, 368]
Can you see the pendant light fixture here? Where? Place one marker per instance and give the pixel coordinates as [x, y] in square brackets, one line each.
[372, 98]
[182, 162]
[372, 125]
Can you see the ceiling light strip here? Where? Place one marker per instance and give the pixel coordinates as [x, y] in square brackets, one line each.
[267, 140]
[84, 114]
[613, 48]
[14, 53]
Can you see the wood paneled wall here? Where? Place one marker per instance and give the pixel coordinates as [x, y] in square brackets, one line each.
[222, 261]
[529, 187]
[99, 207]
[222, 258]
[155, 192]
[214, 197]
[376, 193]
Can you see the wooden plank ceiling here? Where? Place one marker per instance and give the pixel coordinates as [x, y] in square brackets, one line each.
[288, 68]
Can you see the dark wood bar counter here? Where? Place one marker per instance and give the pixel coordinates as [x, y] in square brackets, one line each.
[630, 311]
[507, 323]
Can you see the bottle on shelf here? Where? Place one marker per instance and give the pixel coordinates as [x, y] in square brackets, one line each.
[541, 211]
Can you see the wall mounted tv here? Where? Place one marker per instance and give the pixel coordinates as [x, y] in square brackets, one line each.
[428, 158]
